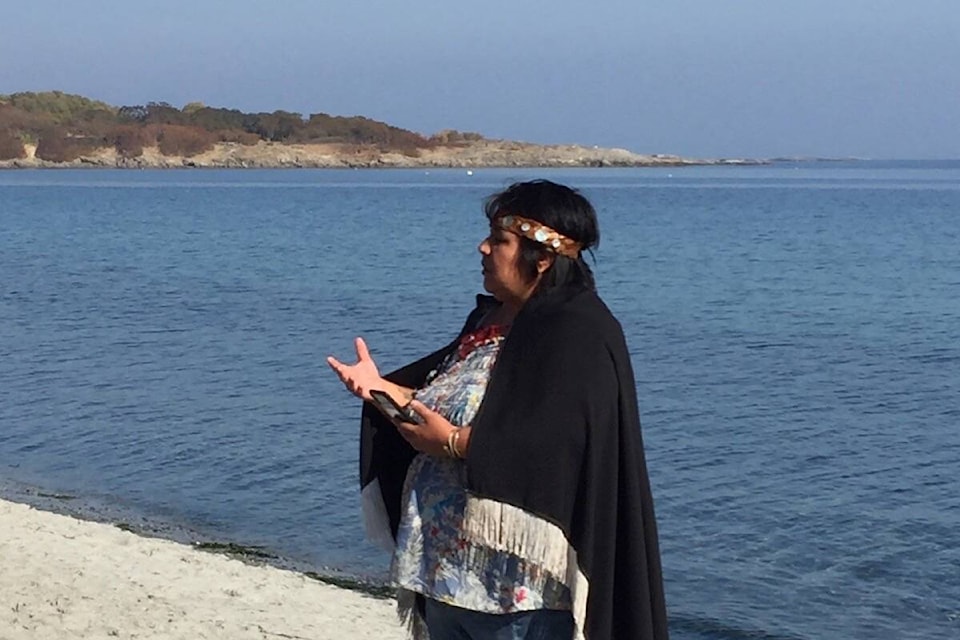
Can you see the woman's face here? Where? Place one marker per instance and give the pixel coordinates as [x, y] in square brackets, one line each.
[501, 272]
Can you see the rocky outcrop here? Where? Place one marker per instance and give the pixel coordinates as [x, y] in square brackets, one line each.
[472, 154]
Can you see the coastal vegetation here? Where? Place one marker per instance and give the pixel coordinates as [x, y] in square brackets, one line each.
[63, 127]
[56, 129]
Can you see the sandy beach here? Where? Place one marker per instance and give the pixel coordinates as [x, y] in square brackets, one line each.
[63, 577]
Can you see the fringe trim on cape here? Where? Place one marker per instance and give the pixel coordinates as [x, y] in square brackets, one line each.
[376, 523]
[507, 528]
[410, 616]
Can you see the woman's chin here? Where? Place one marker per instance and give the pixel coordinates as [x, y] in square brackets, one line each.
[490, 287]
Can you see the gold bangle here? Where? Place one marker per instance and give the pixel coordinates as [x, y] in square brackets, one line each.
[449, 447]
[455, 445]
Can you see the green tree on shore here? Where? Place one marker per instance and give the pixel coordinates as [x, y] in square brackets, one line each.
[66, 126]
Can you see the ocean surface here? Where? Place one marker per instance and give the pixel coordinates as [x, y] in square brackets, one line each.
[795, 331]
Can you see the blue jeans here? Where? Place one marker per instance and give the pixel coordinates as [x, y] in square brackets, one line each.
[446, 622]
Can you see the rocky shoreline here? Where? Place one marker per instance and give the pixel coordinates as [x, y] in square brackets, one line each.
[476, 154]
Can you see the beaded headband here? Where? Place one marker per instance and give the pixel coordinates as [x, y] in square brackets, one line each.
[539, 232]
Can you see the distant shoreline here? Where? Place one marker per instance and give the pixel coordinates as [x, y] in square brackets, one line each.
[55, 130]
[473, 155]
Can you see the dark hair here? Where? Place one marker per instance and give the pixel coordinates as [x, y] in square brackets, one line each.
[562, 209]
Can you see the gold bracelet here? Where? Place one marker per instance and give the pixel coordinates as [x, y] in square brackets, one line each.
[455, 445]
[448, 448]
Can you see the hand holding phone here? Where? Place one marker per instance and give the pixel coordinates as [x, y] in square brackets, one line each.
[389, 407]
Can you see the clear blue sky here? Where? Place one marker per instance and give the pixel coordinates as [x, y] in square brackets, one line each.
[759, 78]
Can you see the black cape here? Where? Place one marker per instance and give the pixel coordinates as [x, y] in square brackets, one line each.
[557, 435]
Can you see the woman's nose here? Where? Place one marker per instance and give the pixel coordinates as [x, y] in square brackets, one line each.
[484, 247]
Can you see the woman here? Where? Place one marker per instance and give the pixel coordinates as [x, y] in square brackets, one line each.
[517, 504]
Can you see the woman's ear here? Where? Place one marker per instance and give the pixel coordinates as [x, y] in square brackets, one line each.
[545, 262]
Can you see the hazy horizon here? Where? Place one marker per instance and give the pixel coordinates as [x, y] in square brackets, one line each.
[866, 79]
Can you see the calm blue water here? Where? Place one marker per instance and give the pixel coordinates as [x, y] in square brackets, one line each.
[795, 332]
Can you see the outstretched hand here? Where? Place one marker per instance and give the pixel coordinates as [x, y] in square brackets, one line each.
[361, 377]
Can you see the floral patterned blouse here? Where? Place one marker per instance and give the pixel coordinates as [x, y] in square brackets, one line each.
[432, 556]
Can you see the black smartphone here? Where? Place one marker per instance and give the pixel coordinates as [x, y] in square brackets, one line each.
[390, 408]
